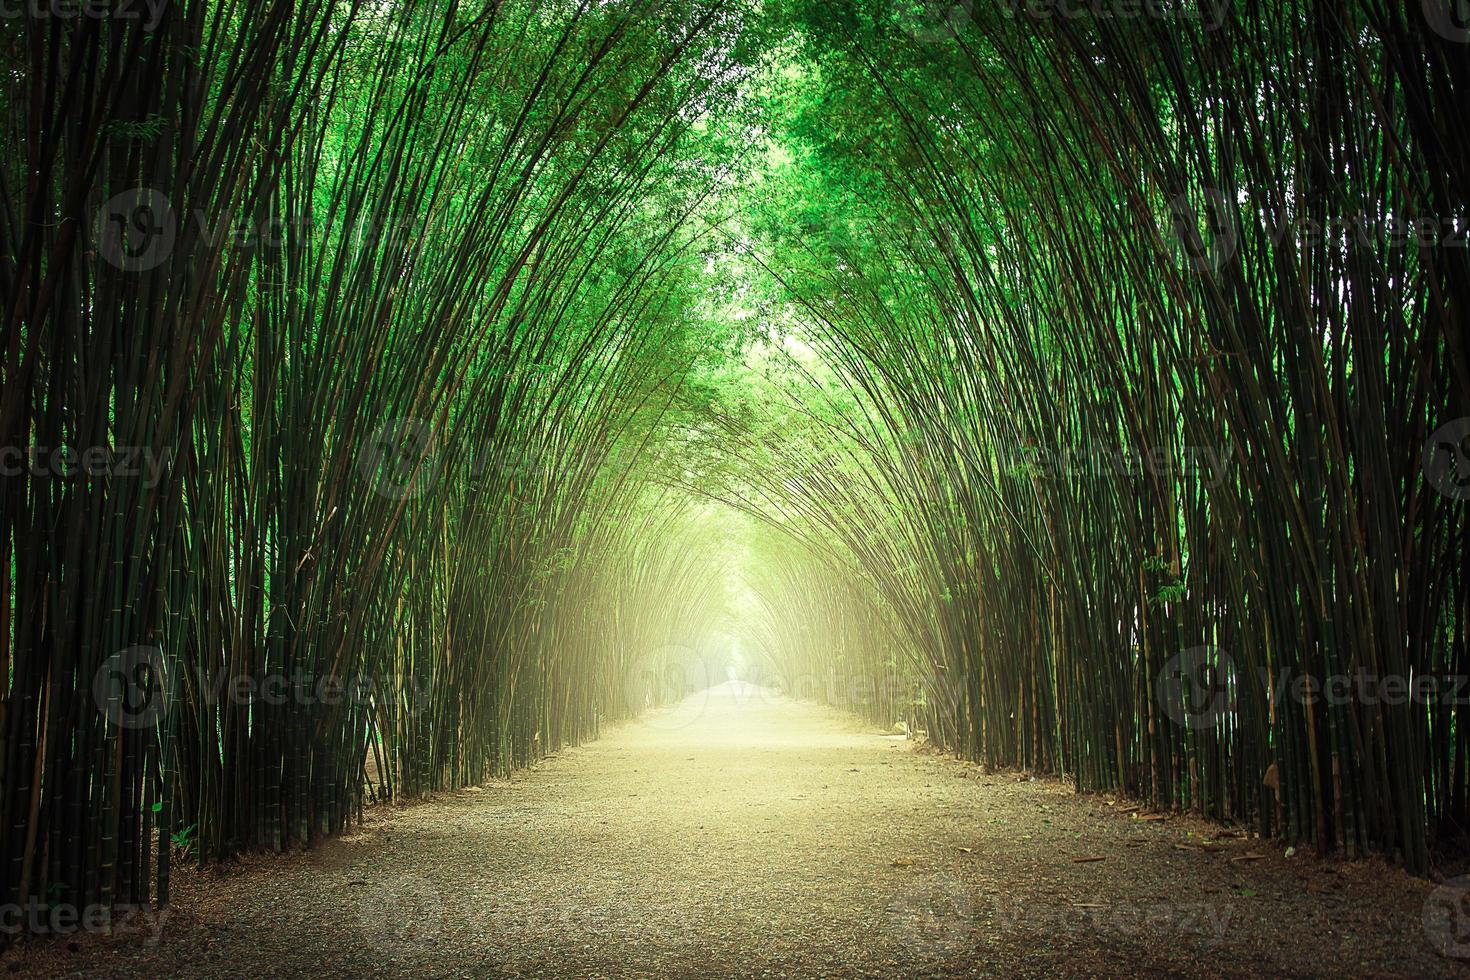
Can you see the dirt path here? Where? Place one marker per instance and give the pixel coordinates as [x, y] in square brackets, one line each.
[740, 835]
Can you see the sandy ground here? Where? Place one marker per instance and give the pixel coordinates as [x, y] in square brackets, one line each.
[743, 835]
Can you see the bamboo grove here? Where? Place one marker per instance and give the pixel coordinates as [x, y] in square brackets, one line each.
[397, 295]
[404, 390]
[1151, 335]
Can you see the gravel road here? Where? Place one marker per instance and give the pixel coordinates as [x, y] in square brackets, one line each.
[741, 834]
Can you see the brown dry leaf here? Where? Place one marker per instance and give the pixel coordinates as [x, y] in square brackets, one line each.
[903, 862]
[1247, 857]
[1272, 779]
